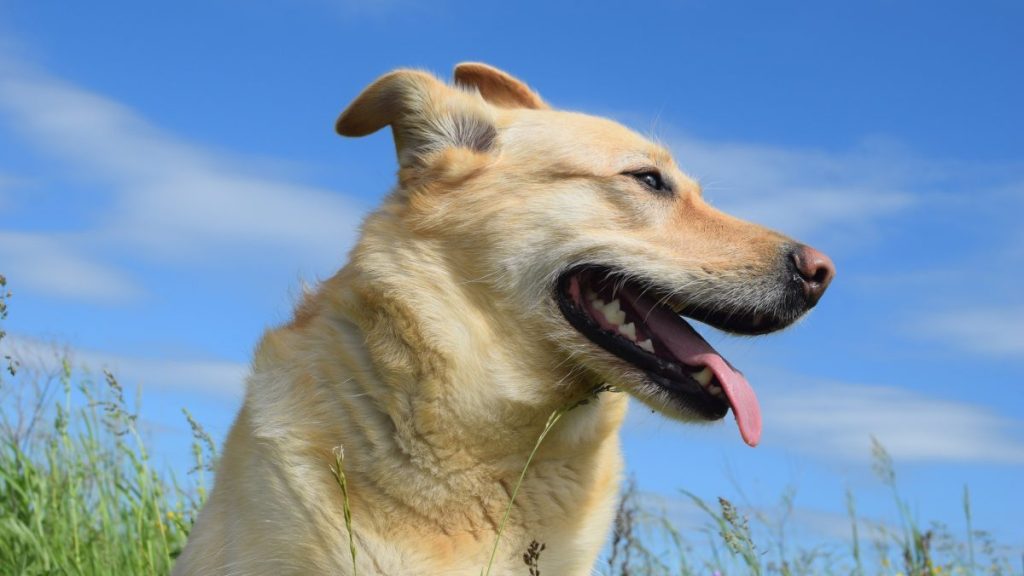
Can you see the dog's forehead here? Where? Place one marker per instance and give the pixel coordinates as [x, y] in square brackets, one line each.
[578, 140]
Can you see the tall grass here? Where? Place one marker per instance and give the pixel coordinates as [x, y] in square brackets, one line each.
[645, 542]
[78, 491]
[79, 494]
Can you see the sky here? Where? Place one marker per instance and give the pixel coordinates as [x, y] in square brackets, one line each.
[170, 178]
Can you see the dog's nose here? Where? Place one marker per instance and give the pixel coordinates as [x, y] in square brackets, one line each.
[815, 269]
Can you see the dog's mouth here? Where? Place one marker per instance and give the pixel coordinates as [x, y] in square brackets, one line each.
[642, 326]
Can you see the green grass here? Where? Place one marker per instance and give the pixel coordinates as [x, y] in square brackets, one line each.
[78, 491]
[79, 494]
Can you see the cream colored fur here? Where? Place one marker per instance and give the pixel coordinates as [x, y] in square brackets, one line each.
[436, 355]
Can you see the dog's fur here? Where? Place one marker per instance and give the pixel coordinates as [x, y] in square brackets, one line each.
[436, 355]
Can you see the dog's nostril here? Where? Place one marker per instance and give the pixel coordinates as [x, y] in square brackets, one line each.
[821, 275]
[815, 269]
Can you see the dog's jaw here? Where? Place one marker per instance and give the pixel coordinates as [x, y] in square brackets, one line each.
[657, 355]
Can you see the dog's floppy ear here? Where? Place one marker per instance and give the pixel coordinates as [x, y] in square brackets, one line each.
[497, 87]
[425, 115]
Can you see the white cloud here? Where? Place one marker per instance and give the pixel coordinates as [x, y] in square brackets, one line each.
[216, 377]
[975, 306]
[837, 420]
[52, 265]
[167, 197]
[170, 195]
[994, 331]
[799, 192]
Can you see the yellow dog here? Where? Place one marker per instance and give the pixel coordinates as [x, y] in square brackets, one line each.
[526, 258]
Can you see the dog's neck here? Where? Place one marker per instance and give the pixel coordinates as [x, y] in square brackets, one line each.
[416, 372]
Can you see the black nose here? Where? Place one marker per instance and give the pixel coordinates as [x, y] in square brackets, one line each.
[815, 270]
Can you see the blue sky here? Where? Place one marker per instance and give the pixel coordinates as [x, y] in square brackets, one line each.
[169, 178]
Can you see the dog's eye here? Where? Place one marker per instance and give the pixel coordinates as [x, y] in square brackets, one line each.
[651, 179]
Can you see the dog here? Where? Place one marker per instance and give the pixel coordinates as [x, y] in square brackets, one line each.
[530, 265]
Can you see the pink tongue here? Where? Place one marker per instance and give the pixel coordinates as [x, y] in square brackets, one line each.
[691, 349]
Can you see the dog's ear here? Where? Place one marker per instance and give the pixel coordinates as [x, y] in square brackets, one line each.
[497, 87]
[425, 115]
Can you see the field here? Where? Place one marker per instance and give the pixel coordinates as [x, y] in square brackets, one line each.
[79, 494]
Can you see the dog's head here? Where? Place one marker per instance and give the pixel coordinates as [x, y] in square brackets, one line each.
[586, 238]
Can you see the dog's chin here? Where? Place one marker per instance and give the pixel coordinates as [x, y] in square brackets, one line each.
[662, 360]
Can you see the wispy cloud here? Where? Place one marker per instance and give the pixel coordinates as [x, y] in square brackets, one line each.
[166, 197]
[217, 377]
[169, 195]
[988, 331]
[985, 313]
[53, 265]
[837, 420]
[800, 192]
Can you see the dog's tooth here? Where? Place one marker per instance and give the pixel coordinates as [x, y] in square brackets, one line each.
[613, 312]
[646, 345]
[703, 377]
[628, 330]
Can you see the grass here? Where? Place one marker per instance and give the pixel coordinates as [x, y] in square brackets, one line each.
[339, 476]
[78, 491]
[79, 494]
[732, 535]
